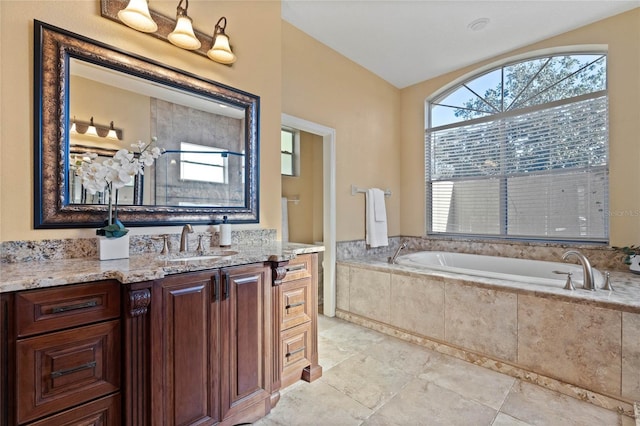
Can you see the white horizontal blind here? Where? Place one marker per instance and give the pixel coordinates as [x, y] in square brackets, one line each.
[538, 174]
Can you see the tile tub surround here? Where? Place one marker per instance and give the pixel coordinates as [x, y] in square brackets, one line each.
[584, 344]
[140, 267]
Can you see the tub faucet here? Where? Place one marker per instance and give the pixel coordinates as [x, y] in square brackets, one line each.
[588, 282]
[184, 243]
[393, 258]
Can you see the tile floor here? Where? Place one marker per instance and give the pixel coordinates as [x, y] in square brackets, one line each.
[373, 379]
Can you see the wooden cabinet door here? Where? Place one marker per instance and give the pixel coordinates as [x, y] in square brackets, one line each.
[246, 336]
[189, 389]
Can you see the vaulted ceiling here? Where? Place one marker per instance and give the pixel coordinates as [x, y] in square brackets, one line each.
[406, 42]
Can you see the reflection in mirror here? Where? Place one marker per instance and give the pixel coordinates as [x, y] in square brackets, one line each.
[130, 194]
[209, 131]
[96, 99]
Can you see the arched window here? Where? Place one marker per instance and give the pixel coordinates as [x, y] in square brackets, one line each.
[521, 151]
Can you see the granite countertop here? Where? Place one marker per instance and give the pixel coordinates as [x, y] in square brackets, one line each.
[625, 297]
[137, 268]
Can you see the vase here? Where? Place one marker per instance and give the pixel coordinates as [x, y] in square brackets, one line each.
[635, 264]
[113, 248]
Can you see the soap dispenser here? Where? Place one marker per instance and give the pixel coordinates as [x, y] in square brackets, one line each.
[225, 233]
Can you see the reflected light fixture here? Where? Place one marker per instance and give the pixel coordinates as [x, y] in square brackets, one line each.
[98, 131]
[220, 49]
[183, 36]
[136, 15]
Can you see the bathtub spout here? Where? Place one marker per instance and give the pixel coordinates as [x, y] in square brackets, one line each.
[393, 258]
[588, 280]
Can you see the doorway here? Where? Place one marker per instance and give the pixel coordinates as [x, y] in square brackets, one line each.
[328, 204]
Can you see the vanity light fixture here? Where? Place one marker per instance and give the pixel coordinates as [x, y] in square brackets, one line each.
[98, 131]
[179, 31]
[220, 49]
[136, 15]
[183, 36]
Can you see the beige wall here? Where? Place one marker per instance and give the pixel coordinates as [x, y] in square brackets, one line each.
[305, 216]
[321, 86]
[254, 28]
[379, 129]
[622, 35]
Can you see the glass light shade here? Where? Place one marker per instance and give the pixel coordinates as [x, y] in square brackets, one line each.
[136, 15]
[183, 36]
[92, 131]
[221, 51]
[112, 135]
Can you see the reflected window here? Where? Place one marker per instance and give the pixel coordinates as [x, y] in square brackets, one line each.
[203, 163]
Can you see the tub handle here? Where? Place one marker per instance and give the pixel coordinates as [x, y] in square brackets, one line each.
[569, 284]
[607, 282]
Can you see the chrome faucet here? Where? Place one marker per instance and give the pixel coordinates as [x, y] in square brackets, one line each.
[393, 258]
[184, 243]
[588, 282]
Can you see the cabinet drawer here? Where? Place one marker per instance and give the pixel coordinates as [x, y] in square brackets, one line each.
[102, 412]
[64, 369]
[295, 303]
[299, 267]
[52, 309]
[296, 353]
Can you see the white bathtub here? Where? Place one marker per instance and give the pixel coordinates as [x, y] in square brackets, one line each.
[520, 270]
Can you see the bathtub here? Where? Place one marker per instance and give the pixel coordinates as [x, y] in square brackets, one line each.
[519, 270]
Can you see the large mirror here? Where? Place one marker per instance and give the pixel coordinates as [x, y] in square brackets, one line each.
[92, 99]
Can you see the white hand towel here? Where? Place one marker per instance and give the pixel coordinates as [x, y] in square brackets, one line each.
[380, 211]
[285, 220]
[376, 218]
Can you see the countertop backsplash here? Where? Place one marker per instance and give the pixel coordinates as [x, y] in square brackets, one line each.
[80, 248]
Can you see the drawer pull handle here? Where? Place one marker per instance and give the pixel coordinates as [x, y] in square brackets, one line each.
[61, 373]
[293, 305]
[297, 267]
[295, 352]
[90, 304]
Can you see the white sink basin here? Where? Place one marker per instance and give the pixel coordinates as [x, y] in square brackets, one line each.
[207, 256]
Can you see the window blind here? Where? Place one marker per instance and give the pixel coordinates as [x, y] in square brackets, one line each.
[538, 174]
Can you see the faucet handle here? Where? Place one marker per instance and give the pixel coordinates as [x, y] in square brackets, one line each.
[165, 243]
[569, 284]
[200, 249]
[607, 282]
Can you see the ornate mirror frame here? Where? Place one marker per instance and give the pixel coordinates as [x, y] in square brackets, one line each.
[53, 48]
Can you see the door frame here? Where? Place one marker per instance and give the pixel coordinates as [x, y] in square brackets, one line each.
[328, 203]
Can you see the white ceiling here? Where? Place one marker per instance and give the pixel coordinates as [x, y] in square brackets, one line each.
[406, 42]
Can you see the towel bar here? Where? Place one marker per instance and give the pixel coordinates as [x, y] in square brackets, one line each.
[355, 190]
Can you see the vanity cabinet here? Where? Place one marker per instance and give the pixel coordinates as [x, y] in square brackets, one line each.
[207, 347]
[296, 318]
[62, 355]
[209, 340]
